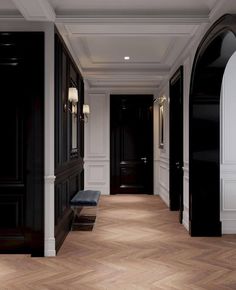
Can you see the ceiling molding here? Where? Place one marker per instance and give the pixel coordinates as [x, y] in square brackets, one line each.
[131, 74]
[84, 17]
[8, 14]
[134, 29]
[36, 10]
[218, 6]
[123, 85]
[124, 80]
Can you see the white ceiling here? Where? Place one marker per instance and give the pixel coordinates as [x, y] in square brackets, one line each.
[99, 33]
[7, 5]
[160, 6]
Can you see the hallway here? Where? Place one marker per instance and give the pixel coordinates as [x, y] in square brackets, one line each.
[136, 243]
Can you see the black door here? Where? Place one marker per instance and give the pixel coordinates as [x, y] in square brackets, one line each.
[21, 151]
[176, 142]
[131, 144]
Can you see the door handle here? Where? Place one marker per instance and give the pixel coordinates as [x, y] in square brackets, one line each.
[177, 164]
[144, 159]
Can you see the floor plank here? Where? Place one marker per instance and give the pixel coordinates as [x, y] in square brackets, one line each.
[137, 243]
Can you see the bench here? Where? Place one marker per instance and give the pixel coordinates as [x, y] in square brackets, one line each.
[82, 199]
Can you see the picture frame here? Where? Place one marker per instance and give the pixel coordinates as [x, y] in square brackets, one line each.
[161, 126]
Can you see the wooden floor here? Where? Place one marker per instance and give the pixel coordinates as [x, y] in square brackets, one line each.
[137, 243]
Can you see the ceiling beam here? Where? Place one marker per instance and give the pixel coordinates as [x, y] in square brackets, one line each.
[36, 10]
[134, 29]
[158, 19]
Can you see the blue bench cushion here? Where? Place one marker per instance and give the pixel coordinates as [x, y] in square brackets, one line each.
[86, 198]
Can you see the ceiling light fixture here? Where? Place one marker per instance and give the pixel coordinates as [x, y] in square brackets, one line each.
[126, 58]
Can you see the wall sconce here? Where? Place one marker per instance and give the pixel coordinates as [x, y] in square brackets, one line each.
[73, 98]
[86, 112]
[160, 100]
[73, 95]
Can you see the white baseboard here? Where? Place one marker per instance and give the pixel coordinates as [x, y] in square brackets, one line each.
[186, 219]
[104, 190]
[229, 227]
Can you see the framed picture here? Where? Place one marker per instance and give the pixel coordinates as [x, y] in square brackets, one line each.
[161, 126]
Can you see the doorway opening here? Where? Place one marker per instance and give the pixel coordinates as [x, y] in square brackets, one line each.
[209, 65]
[131, 144]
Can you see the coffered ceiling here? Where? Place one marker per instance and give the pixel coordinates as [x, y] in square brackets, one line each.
[100, 33]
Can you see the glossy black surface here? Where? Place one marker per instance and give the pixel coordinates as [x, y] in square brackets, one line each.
[22, 143]
[176, 142]
[68, 162]
[204, 128]
[131, 142]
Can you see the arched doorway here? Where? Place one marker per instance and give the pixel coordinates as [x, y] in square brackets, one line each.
[210, 62]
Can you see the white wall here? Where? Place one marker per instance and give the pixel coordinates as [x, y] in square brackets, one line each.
[228, 148]
[97, 142]
[48, 29]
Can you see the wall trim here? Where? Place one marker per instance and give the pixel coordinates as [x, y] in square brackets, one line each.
[49, 188]
[185, 220]
[229, 226]
[50, 246]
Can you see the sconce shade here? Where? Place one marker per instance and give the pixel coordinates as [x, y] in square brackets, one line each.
[86, 109]
[73, 95]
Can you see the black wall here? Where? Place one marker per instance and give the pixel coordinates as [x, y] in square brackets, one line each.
[68, 162]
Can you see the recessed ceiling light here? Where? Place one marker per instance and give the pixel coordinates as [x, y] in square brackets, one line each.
[126, 57]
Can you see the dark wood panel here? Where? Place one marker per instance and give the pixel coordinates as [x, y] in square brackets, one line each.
[176, 142]
[68, 160]
[11, 213]
[63, 214]
[11, 170]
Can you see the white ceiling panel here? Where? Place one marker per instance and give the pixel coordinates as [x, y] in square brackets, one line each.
[103, 49]
[160, 6]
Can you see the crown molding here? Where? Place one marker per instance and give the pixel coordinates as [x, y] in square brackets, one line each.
[156, 74]
[112, 17]
[37, 10]
[220, 4]
[131, 29]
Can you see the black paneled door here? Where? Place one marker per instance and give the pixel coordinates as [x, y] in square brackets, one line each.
[176, 142]
[131, 144]
[12, 156]
[21, 151]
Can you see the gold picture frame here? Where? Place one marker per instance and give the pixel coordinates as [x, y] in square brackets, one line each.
[161, 126]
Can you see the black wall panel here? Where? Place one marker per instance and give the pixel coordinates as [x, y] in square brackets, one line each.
[68, 162]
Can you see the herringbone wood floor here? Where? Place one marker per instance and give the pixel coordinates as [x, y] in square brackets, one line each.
[137, 243]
